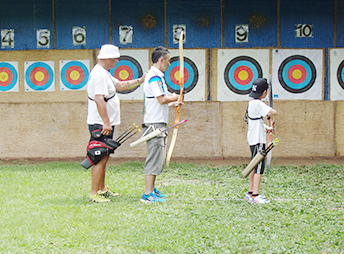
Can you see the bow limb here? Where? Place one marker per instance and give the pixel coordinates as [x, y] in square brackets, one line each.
[181, 84]
[269, 155]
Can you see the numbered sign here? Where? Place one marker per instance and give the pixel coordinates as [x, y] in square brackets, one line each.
[7, 38]
[43, 38]
[125, 34]
[302, 30]
[176, 33]
[79, 35]
[241, 33]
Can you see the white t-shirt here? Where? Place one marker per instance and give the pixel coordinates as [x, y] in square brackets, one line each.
[102, 83]
[155, 86]
[256, 133]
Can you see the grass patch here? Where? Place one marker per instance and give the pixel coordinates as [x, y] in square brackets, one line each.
[44, 209]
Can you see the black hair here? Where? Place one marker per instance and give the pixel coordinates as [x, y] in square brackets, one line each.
[159, 52]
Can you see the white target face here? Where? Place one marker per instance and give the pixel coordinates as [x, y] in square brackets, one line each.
[194, 74]
[297, 74]
[337, 74]
[74, 74]
[39, 76]
[236, 71]
[132, 64]
[9, 78]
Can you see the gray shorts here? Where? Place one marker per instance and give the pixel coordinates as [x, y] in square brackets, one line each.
[156, 151]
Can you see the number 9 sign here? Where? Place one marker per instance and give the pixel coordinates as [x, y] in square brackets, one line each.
[79, 35]
[241, 33]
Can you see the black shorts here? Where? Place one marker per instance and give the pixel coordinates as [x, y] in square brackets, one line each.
[90, 128]
[261, 165]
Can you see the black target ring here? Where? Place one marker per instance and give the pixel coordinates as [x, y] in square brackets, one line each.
[284, 78]
[229, 71]
[190, 75]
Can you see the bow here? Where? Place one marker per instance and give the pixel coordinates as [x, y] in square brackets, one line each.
[272, 126]
[181, 84]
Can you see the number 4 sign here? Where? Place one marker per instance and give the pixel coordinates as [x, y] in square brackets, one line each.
[7, 38]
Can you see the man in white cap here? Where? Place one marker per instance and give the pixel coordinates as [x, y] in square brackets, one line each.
[104, 109]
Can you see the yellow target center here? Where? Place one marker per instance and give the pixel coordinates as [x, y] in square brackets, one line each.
[39, 76]
[3, 76]
[243, 75]
[297, 74]
[74, 75]
[176, 75]
[123, 74]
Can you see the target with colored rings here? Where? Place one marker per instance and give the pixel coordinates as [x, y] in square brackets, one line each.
[172, 75]
[74, 75]
[8, 77]
[297, 74]
[240, 72]
[39, 76]
[127, 68]
[340, 74]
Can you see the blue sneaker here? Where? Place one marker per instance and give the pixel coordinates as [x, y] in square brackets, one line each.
[158, 193]
[248, 197]
[151, 198]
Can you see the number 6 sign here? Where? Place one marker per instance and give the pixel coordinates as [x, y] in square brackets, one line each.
[79, 35]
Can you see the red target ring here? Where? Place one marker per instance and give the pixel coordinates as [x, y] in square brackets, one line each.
[124, 72]
[174, 75]
[243, 75]
[297, 74]
[6, 76]
[74, 75]
[39, 76]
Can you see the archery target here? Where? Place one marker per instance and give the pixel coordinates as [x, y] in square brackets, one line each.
[336, 74]
[74, 74]
[9, 77]
[39, 76]
[297, 74]
[132, 64]
[237, 69]
[194, 74]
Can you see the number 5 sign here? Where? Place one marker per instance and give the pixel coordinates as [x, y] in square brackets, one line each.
[43, 38]
[79, 35]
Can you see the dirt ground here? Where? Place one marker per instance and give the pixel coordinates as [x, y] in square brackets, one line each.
[213, 162]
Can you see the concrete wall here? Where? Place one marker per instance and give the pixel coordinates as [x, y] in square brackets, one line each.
[53, 124]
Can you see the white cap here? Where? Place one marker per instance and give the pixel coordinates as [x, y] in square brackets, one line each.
[108, 51]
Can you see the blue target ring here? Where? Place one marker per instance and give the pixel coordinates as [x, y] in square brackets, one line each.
[14, 77]
[304, 67]
[127, 68]
[242, 84]
[83, 81]
[340, 74]
[44, 66]
[190, 75]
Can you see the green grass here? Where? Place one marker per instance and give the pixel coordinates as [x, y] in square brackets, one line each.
[44, 209]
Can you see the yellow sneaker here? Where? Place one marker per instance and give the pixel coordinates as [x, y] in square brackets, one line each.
[98, 198]
[108, 193]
